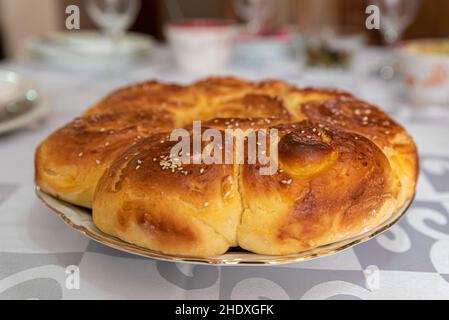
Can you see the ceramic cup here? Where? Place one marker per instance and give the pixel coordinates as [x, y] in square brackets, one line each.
[425, 70]
[201, 46]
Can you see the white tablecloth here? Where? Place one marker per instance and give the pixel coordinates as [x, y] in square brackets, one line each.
[409, 261]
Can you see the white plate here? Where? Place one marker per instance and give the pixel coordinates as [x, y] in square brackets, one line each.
[81, 220]
[36, 112]
[13, 87]
[89, 49]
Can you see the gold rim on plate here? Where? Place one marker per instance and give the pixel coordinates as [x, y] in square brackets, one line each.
[80, 219]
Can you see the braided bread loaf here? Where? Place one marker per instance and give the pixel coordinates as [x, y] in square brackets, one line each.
[344, 167]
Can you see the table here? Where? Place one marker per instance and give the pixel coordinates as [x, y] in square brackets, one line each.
[410, 261]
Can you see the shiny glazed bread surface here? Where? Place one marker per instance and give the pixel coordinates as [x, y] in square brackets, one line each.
[344, 167]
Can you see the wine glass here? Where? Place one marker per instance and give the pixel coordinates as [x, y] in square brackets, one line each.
[395, 17]
[254, 12]
[113, 16]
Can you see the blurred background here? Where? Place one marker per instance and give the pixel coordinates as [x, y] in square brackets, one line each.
[382, 50]
[20, 19]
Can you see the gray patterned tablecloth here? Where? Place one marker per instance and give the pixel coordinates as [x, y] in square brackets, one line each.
[410, 261]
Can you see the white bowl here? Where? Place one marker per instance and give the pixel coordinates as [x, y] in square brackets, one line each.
[89, 50]
[425, 72]
[201, 46]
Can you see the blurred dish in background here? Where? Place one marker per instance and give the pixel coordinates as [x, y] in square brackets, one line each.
[329, 43]
[20, 102]
[336, 51]
[258, 49]
[424, 65]
[12, 88]
[201, 45]
[111, 48]
[89, 49]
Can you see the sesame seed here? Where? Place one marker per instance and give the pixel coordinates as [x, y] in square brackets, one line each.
[289, 181]
[80, 154]
[97, 161]
[202, 170]
[168, 163]
[138, 167]
[206, 204]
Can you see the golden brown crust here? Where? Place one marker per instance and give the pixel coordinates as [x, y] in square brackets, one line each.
[345, 167]
[69, 163]
[251, 105]
[147, 95]
[151, 201]
[358, 116]
[316, 197]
